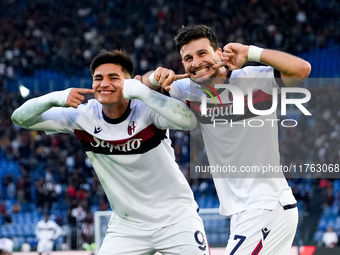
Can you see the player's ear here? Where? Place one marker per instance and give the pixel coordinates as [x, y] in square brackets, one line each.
[180, 54]
[218, 52]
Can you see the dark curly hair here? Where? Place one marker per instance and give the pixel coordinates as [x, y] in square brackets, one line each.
[194, 32]
[118, 57]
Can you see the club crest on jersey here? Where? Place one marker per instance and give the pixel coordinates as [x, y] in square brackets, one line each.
[131, 127]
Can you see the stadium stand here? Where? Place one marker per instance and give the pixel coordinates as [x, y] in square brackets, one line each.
[48, 45]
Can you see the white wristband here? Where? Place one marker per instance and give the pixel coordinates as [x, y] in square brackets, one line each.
[152, 79]
[254, 53]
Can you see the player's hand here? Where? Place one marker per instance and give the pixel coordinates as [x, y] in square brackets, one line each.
[75, 97]
[234, 56]
[138, 78]
[165, 77]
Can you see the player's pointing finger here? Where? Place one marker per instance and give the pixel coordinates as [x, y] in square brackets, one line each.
[181, 76]
[220, 64]
[84, 91]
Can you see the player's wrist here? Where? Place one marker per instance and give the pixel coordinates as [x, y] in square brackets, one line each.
[153, 81]
[58, 98]
[254, 53]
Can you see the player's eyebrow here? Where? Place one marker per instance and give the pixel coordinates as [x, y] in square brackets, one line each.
[187, 56]
[197, 52]
[110, 75]
[201, 51]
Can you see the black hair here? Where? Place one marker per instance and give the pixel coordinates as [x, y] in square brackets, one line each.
[118, 57]
[194, 32]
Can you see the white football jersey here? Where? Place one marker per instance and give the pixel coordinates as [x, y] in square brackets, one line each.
[6, 245]
[133, 159]
[47, 230]
[239, 146]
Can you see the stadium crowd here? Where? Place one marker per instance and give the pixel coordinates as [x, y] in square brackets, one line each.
[64, 36]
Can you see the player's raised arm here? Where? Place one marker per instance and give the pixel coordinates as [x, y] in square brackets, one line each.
[174, 113]
[29, 113]
[161, 77]
[293, 69]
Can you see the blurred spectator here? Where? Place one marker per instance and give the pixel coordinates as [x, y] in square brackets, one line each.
[330, 238]
[323, 184]
[65, 37]
[39, 193]
[7, 218]
[79, 213]
[103, 205]
[46, 231]
[20, 188]
[329, 195]
[64, 227]
[6, 246]
[81, 193]
[25, 247]
[16, 208]
[3, 208]
[3, 212]
[5, 182]
[49, 195]
[87, 228]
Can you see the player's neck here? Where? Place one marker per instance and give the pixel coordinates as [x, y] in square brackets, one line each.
[115, 111]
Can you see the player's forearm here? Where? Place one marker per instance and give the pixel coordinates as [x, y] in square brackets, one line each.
[57, 233]
[293, 69]
[29, 113]
[175, 111]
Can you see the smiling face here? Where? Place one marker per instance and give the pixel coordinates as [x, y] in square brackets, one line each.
[108, 80]
[198, 57]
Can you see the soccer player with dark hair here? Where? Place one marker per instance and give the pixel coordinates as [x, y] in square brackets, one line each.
[262, 208]
[124, 133]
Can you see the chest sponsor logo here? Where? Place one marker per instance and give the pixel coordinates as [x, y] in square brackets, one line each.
[140, 142]
[130, 145]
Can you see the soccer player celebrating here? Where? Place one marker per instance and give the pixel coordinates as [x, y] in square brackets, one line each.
[262, 208]
[123, 131]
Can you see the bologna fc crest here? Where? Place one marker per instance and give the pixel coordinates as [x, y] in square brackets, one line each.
[131, 127]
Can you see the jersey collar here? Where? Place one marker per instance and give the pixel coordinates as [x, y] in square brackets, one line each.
[121, 118]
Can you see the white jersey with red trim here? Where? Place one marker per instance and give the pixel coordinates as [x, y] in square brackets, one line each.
[245, 144]
[134, 161]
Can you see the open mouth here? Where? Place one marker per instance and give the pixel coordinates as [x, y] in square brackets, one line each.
[106, 92]
[201, 71]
